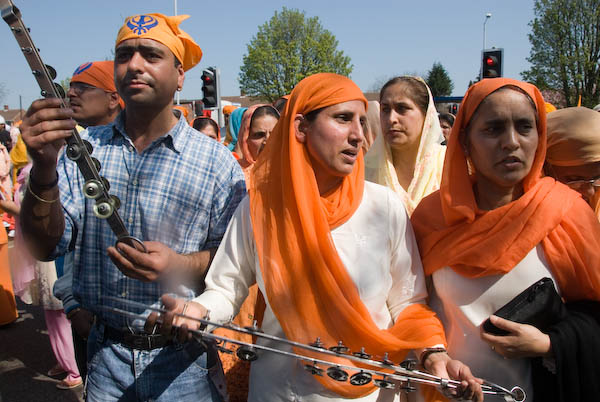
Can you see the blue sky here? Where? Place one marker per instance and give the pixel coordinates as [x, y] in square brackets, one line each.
[382, 38]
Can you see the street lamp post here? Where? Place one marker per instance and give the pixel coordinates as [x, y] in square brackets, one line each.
[487, 17]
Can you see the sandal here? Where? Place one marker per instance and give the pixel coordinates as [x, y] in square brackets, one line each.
[69, 383]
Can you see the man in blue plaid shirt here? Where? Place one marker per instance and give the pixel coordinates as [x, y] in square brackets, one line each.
[178, 190]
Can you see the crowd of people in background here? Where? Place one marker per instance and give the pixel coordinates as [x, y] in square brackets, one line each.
[388, 226]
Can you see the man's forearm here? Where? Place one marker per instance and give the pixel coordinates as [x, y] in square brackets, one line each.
[42, 220]
[196, 265]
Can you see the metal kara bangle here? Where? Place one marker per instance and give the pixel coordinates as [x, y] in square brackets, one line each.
[429, 352]
[37, 197]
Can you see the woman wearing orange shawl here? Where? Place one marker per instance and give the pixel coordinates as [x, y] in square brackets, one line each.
[334, 256]
[495, 227]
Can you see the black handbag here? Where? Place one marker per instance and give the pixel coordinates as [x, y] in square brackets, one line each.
[538, 305]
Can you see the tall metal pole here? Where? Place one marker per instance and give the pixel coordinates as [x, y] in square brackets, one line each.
[487, 17]
[175, 13]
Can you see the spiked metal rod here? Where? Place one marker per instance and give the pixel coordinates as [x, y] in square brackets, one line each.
[401, 374]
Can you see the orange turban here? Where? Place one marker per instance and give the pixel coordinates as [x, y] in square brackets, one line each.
[163, 29]
[549, 107]
[183, 110]
[227, 109]
[100, 74]
[452, 231]
[307, 285]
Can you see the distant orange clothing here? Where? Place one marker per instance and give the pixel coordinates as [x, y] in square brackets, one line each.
[8, 306]
[237, 372]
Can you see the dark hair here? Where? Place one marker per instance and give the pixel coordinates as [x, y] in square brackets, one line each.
[201, 122]
[279, 104]
[514, 88]
[176, 63]
[312, 115]
[447, 117]
[415, 89]
[266, 110]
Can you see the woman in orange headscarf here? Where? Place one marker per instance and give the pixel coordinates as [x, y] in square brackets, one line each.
[333, 255]
[494, 228]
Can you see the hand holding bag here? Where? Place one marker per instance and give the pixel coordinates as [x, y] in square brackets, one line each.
[538, 305]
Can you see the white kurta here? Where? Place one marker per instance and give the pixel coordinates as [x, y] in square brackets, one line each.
[378, 248]
[464, 304]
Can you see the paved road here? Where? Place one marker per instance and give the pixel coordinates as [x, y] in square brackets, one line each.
[26, 357]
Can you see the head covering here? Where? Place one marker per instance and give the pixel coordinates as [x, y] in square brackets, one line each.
[452, 231]
[549, 107]
[206, 118]
[227, 109]
[247, 159]
[307, 285]
[183, 110]
[374, 126]
[235, 121]
[573, 137]
[163, 29]
[100, 74]
[428, 164]
[2, 121]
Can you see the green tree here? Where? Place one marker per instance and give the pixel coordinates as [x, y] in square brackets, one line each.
[286, 49]
[65, 84]
[565, 49]
[439, 81]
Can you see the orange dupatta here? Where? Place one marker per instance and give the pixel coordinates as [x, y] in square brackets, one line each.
[452, 231]
[307, 285]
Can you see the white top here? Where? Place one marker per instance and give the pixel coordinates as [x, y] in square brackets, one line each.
[464, 304]
[378, 248]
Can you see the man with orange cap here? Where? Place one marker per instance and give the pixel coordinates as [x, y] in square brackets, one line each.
[178, 190]
[92, 94]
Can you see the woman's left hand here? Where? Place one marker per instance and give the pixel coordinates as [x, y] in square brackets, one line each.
[522, 341]
[442, 365]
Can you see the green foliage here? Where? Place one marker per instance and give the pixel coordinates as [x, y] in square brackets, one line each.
[286, 49]
[65, 84]
[439, 81]
[565, 49]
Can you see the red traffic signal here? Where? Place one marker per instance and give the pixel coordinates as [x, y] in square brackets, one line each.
[209, 88]
[491, 63]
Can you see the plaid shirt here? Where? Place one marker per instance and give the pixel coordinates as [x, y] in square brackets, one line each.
[181, 191]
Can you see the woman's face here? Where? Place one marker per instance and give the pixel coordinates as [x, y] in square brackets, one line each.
[333, 140]
[260, 130]
[502, 139]
[580, 178]
[446, 129]
[401, 119]
[209, 131]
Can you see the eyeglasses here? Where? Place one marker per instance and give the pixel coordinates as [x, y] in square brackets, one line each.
[579, 185]
[80, 87]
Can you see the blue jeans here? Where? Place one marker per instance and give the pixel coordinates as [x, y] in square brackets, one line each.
[176, 372]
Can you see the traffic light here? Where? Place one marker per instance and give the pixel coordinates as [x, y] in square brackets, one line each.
[209, 88]
[454, 109]
[491, 63]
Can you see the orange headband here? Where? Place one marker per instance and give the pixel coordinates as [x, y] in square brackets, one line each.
[163, 29]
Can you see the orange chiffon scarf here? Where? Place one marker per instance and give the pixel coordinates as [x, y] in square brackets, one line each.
[452, 231]
[306, 283]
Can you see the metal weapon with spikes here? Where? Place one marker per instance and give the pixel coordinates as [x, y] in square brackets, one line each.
[402, 376]
[78, 150]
